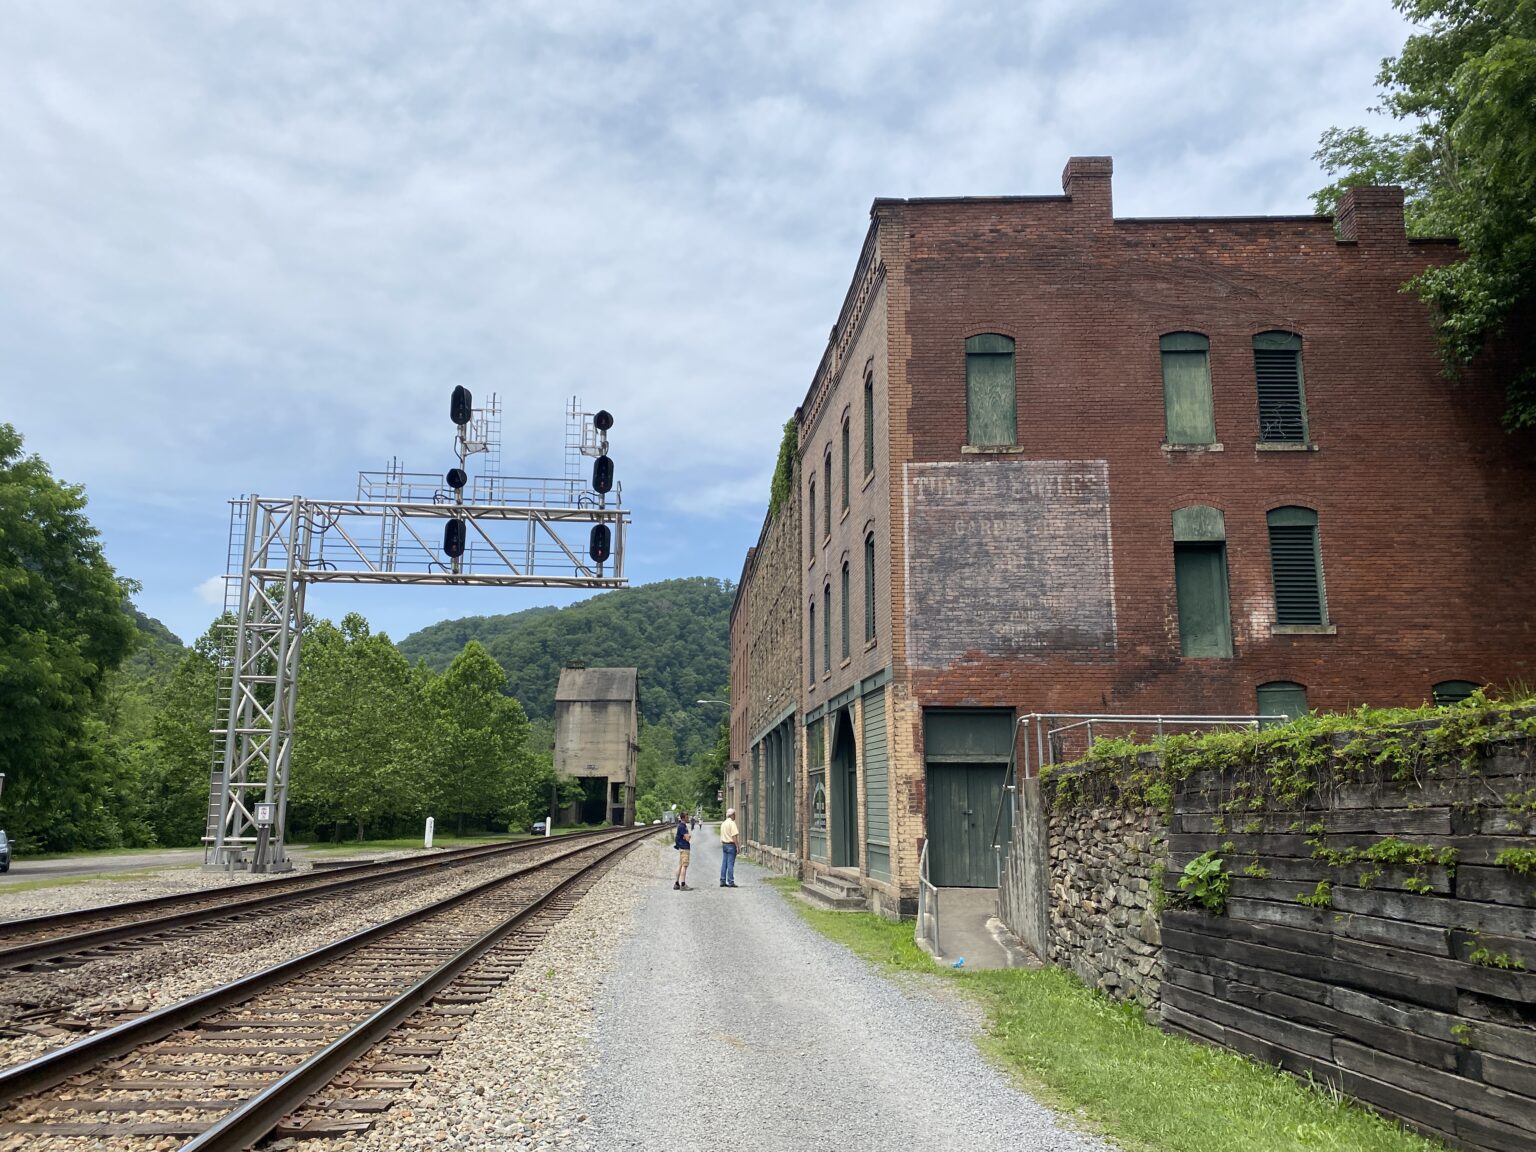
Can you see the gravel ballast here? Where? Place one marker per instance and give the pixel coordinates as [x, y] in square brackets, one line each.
[729, 1021]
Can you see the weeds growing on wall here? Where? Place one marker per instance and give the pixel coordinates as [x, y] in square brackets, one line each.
[1294, 766]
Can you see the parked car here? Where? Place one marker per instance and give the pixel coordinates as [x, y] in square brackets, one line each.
[538, 827]
[5, 852]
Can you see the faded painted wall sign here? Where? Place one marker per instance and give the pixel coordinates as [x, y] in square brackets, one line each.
[1008, 558]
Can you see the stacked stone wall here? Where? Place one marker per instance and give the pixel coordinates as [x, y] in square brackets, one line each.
[1103, 921]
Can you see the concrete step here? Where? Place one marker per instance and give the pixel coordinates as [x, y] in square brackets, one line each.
[838, 895]
[838, 884]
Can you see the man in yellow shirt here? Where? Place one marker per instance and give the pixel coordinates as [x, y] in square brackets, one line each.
[730, 840]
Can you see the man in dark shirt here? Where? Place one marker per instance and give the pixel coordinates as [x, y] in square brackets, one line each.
[683, 844]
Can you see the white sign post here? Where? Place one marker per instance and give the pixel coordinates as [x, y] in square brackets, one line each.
[430, 823]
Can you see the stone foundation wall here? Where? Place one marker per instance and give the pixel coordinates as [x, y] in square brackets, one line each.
[1101, 912]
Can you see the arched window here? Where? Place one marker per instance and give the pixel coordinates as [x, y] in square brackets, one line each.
[845, 609]
[811, 661]
[869, 588]
[810, 513]
[826, 496]
[826, 627]
[869, 423]
[991, 418]
[845, 463]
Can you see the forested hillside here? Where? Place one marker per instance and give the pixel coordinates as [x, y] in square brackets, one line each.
[676, 632]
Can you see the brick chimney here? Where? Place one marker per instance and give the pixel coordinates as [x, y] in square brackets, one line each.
[1086, 181]
[1372, 216]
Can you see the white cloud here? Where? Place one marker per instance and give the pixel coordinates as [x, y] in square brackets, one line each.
[253, 246]
[211, 591]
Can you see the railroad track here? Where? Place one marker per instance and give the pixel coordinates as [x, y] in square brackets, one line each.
[58, 941]
[341, 1027]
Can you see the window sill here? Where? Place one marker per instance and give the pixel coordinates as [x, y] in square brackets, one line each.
[1214, 446]
[844, 516]
[847, 660]
[869, 478]
[871, 645]
[1303, 630]
[990, 449]
[1285, 446]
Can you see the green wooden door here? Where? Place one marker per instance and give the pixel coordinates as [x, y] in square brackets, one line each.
[877, 811]
[962, 806]
[1205, 619]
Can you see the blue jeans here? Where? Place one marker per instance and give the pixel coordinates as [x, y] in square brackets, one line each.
[727, 863]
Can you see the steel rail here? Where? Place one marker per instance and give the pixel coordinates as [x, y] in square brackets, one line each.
[240, 1128]
[149, 903]
[53, 947]
[53, 1068]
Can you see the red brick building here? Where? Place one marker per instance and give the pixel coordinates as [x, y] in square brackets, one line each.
[1055, 461]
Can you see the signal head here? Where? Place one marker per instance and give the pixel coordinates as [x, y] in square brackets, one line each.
[600, 543]
[461, 405]
[603, 420]
[602, 475]
[457, 478]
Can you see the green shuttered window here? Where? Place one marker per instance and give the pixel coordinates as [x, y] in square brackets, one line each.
[869, 423]
[845, 609]
[826, 628]
[1187, 388]
[1282, 698]
[869, 588]
[1454, 691]
[810, 517]
[1282, 400]
[1297, 566]
[990, 415]
[845, 465]
[811, 617]
[826, 496]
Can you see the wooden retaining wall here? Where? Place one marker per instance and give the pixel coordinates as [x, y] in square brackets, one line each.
[1421, 1003]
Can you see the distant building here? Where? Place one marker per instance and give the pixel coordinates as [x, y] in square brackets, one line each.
[1055, 461]
[597, 740]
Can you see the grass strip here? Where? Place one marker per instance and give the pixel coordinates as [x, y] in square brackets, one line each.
[1098, 1060]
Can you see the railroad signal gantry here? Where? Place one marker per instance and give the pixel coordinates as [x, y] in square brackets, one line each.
[402, 528]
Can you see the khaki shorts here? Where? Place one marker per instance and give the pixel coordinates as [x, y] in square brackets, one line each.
[682, 857]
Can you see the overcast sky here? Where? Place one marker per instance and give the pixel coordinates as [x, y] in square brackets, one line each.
[252, 246]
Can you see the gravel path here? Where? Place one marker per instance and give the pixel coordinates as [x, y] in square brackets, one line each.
[729, 1022]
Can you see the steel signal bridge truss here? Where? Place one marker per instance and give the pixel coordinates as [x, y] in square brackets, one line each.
[520, 532]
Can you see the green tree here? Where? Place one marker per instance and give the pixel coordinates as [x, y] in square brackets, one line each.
[359, 725]
[1467, 85]
[477, 752]
[709, 768]
[64, 627]
[179, 757]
